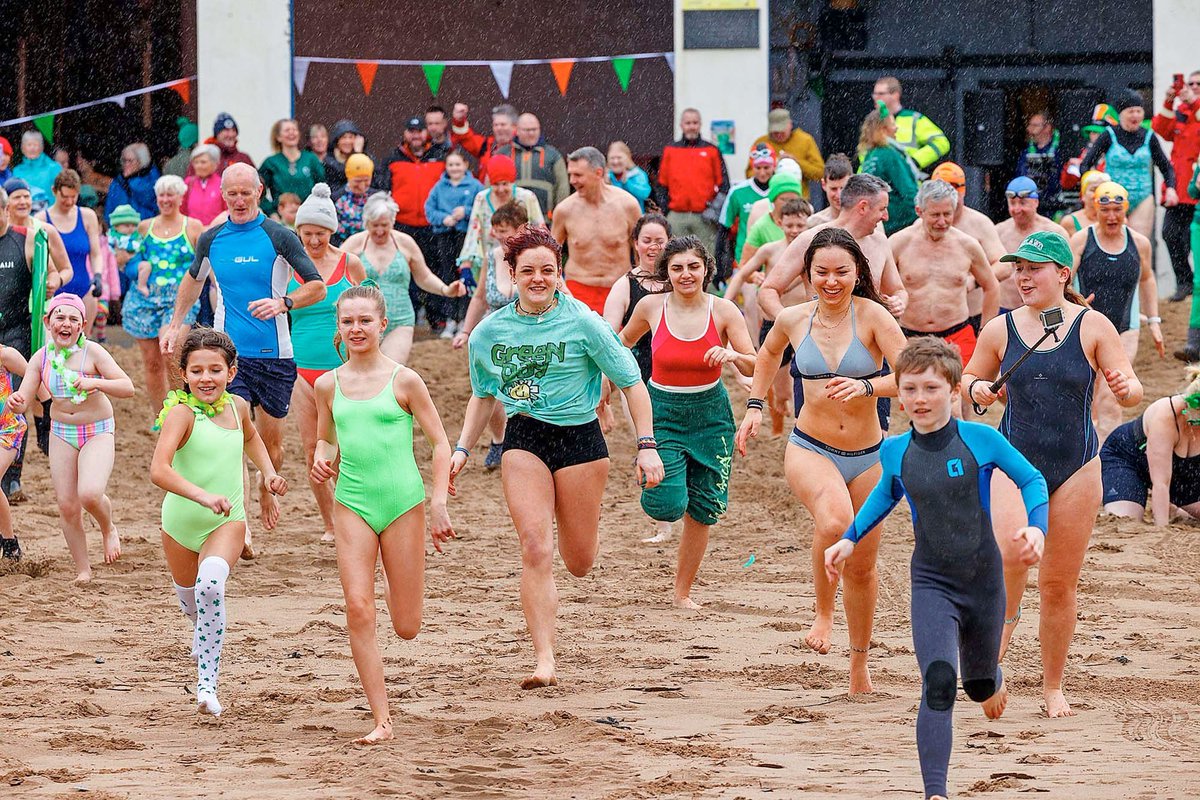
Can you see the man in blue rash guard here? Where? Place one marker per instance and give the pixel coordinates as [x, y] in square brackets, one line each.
[944, 466]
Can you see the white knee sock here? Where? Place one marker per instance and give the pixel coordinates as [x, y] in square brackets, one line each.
[210, 630]
[187, 601]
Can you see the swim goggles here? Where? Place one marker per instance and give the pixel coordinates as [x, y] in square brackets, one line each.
[1112, 200]
[1022, 193]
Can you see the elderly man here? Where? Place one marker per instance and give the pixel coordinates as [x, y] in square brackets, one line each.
[692, 173]
[1023, 219]
[252, 258]
[916, 134]
[540, 167]
[937, 263]
[596, 223]
[783, 136]
[504, 126]
[36, 168]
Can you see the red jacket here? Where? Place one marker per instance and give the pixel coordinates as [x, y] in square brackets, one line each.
[410, 178]
[479, 146]
[1181, 126]
[692, 172]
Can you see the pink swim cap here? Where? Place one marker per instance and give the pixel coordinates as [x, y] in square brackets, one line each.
[66, 299]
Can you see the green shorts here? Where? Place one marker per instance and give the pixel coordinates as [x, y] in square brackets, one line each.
[695, 441]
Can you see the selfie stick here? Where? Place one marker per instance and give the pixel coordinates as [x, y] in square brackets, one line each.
[1049, 330]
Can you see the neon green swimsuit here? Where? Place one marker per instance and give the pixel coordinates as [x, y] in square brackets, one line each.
[378, 478]
[211, 458]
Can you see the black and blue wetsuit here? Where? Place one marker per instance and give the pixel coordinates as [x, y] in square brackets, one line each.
[957, 573]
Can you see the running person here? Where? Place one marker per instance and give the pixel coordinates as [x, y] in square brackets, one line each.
[693, 422]
[498, 291]
[544, 357]
[1113, 268]
[80, 232]
[1086, 216]
[943, 467]
[1157, 453]
[313, 327]
[80, 376]
[392, 260]
[1048, 418]
[365, 415]
[198, 463]
[832, 458]
[12, 435]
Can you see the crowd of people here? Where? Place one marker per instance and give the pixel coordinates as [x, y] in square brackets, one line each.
[585, 290]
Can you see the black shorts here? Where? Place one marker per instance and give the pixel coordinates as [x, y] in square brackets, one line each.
[558, 446]
[265, 382]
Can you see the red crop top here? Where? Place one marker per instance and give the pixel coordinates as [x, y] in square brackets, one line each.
[680, 362]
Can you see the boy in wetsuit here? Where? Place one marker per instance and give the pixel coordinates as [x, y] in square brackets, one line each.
[944, 467]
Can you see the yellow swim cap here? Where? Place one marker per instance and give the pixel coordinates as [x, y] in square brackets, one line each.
[1110, 192]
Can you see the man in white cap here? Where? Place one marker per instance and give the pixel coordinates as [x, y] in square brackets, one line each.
[784, 137]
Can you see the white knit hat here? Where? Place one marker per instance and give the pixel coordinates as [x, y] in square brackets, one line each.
[318, 209]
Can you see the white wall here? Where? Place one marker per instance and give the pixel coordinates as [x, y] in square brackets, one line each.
[244, 67]
[1176, 32]
[725, 84]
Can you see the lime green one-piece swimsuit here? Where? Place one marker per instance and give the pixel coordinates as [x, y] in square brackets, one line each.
[211, 458]
[378, 478]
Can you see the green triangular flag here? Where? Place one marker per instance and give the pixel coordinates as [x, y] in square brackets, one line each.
[45, 124]
[624, 68]
[433, 76]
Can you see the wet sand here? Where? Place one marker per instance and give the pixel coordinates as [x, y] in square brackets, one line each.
[96, 684]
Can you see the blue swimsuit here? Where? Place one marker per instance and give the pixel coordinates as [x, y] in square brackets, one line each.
[958, 591]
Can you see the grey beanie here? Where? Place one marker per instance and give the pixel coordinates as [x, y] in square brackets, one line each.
[318, 209]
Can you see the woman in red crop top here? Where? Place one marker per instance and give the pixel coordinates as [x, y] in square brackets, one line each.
[694, 335]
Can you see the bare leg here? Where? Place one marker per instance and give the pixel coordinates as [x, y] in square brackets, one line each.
[692, 545]
[498, 424]
[1008, 514]
[95, 463]
[6, 527]
[271, 430]
[64, 475]
[155, 368]
[1141, 217]
[1125, 508]
[861, 587]
[397, 345]
[304, 410]
[357, 549]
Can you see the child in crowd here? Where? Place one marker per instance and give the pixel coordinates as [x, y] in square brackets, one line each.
[288, 205]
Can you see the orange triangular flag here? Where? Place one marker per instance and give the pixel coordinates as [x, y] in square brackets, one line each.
[366, 73]
[562, 73]
[184, 89]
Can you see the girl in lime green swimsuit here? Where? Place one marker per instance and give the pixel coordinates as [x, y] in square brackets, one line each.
[198, 462]
[365, 410]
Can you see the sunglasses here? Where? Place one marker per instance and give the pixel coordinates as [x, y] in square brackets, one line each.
[1023, 193]
[1112, 200]
[1193, 83]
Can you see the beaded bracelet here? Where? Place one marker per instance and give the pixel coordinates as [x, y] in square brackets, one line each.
[755, 403]
[647, 443]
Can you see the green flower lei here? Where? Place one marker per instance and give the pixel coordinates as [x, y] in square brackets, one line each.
[58, 363]
[179, 396]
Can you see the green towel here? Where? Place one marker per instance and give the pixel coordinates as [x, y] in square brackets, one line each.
[37, 295]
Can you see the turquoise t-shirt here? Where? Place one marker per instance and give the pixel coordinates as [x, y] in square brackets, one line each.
[549, 367]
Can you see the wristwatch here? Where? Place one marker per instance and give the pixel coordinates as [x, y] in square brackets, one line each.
[288, 302]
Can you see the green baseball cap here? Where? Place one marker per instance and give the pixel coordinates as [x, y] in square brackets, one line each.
[1043, 246]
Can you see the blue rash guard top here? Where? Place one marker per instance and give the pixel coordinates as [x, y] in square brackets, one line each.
[947, 478]
[251, 261]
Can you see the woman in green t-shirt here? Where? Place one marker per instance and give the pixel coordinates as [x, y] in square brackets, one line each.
[289, 169]
[883, 159]
[544, 357]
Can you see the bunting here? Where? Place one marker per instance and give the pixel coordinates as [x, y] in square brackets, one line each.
[433, 76]
[184, 89]
[624, 68]
[300, 73]
[45, 124]
[366, 74]
[502, 72]
[119, 99]
[562, 73]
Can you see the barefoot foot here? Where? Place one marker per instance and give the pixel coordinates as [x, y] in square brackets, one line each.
[542, 677]
[686, 602]
[382, 733]
[994, 706]
[112, 545]
[327, 537]
[818, 635]
[860, 677]
[83, 578]
[1056, 704]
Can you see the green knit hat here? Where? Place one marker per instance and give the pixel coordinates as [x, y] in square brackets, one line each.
[189, 134]
[782, 184]
[124, 213]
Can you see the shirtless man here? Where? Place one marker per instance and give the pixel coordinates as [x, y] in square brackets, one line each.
[936, 263]
[1023, 219]
[793, 220]
[977, 226]
[837, 171]
[596, 224]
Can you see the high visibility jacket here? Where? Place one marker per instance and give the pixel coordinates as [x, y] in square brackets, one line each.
[920, 139]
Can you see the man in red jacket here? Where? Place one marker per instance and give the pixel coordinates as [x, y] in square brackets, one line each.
[692, 173]
[409, 173]
[1179, 122]
[504, 128]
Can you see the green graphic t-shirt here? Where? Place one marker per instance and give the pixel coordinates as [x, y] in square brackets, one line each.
[549, 367]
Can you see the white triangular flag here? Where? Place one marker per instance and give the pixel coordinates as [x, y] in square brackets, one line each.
[300, 73]
[502, 72]
[670, 57]
[119, 100]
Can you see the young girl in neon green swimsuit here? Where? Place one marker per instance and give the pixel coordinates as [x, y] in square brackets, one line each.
[198, 462]
[366, 409]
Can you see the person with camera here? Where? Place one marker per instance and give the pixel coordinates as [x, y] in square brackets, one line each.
[1177, 122]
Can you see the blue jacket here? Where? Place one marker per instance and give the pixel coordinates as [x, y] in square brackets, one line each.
[444, 197]
[136, 190]
[39, 174]
[636, 183]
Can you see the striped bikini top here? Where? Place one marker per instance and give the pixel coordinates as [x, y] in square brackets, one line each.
[857, 362]
[59, 383]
